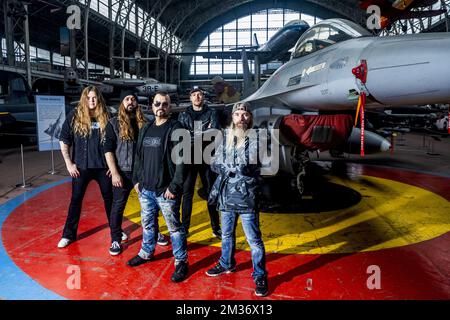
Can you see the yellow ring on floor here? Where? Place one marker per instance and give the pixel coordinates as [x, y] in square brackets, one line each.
[390, 214]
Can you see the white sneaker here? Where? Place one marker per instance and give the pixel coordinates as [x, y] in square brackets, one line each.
[124, 236]
[64, 242]
[115, 248]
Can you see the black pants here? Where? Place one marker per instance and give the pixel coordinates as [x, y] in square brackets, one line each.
[79, 186]
[120, 198]
[207, 177]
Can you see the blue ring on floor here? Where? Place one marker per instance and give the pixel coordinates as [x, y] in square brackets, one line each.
[14, 283]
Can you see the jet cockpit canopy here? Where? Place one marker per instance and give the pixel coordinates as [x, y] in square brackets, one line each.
[326, 33]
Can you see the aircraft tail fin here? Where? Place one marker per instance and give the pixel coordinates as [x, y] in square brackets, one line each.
[255, 39]
[247, 85]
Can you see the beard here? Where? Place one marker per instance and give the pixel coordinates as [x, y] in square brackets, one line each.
[240, 132]
[242, 126]
[161, 113]
[130, 108]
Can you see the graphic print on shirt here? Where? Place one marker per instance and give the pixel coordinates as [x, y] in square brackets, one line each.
[152, 142]
[95, 125]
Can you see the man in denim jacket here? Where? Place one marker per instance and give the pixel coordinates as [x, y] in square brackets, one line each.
[236, 189]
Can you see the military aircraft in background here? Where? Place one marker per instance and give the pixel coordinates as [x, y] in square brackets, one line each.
[394, 10]
[17, 107]
[277, 48]
[312, 98]
[144, 88]
[17, 99]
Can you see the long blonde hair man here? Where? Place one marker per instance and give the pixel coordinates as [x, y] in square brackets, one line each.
[90, 106]
[84, 132]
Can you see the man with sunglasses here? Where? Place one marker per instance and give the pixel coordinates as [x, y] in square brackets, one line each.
[159, 184]
[198, 118]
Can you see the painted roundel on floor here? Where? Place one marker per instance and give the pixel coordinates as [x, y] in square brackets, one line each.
[400, 224]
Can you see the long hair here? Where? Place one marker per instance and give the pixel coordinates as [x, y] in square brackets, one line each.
[234, 133]
[82, 120]
[126, 131]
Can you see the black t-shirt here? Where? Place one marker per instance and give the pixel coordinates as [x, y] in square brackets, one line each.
[95, 157]
[153, 151]
[196, 115]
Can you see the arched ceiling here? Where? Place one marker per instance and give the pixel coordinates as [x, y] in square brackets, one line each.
[198, 16]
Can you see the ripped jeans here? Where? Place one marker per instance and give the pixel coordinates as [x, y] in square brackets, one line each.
[150, 206]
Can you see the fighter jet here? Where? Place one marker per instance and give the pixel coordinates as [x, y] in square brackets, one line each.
[276, 48]
[312, 97]
[54, 129]
[16, 101]
[144, 87]
[401, 70]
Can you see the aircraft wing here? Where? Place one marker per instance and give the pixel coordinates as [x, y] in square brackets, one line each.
[127, 83]
[233, 55]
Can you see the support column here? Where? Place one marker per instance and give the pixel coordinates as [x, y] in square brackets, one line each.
[73, 50]
[157, 70]
[165, 67]
[27, 45]
[9, 35]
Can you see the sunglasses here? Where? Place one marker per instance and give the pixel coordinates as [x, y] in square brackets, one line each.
[158, 103]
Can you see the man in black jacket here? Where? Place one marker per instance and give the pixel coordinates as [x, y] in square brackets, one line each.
[120, 144]
[198, 118]
[159, 183]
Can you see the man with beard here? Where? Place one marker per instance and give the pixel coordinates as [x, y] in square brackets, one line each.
[159, 183]
[236, 193]
[120, 145]
[206, 118]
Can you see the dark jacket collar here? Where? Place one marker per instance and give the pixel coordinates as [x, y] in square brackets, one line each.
[190, 109]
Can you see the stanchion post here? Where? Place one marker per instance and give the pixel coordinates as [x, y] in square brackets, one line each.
[24, 184]
[53, 159]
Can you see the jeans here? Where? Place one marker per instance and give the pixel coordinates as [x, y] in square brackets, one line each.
[250, 224]
[207, 177]
[150, 205]
[79, 186]
[120, 198]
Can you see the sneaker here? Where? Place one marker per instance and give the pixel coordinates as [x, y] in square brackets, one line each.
[64, 242]
[124, 236]
[181, 271]
[115, 248]
[162, 240]
[217, 270]
[261, 289]
[217, 234]
[137, 261]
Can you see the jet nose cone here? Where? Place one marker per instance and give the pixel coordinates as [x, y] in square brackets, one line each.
[411, 69]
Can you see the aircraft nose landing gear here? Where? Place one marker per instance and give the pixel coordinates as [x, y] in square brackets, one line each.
[300, 182]
[300, 159]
